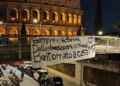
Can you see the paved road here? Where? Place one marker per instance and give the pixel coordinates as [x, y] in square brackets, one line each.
[28, 81]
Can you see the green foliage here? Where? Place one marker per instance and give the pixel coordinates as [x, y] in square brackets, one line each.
[117, 25]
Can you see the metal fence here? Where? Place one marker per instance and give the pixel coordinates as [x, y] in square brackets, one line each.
[107, 44]
[104, 44]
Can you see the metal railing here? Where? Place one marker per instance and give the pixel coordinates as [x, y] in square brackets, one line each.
[104, 44]
[107, 44]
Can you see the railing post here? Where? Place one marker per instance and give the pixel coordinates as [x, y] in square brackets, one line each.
[19, 48]
[118, 45]
[107, 45]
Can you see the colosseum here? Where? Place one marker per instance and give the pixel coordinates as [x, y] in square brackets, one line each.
[41, 17]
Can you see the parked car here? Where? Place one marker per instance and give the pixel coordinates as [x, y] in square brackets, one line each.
[37, 74]
[30, 70]
[54, 81]
[16, 63]
[25, 64]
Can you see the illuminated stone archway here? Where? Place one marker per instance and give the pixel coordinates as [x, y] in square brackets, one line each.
[36, 32]
[45, 16]
[13, 14]
[75, 19]
[55, 33]
[46, 32]
[54, 17]
[62, 17]
[2, 31]
[25, 15]
[69, 33]
[79, 20]
[36, 14]
[28, 33]
[13, 32]
[69, 18]
[62, 33]
[74, 33]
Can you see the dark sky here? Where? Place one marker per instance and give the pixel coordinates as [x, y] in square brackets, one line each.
[110, 14]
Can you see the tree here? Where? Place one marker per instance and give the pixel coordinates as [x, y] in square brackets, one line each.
[23, 33]
[117, 25]
[23, 29]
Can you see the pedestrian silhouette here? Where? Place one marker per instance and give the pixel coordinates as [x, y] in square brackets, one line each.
[22, 76]
[79, 31]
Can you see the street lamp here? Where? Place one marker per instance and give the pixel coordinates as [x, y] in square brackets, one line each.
[1, 22]
[35, 21]
[100, 33]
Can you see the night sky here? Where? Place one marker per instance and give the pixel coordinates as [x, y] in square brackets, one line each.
[110, 14]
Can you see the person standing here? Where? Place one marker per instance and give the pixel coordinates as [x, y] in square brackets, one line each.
[22, 76]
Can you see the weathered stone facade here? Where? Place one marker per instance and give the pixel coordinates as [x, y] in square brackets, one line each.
[46, 17]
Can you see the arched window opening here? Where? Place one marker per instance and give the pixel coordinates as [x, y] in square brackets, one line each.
[79, 20]
[63, 33]
[61, 18]
[13, 32]
[2, 31]
[35, 16]
[53, 17]
[75, 19]
[46, 32]
[69, 33]
[35, 32]
[74, 33]
[2, 14]
[55, 33]
[13, 14]
[24, 15]
[68, 18]
[44, 15]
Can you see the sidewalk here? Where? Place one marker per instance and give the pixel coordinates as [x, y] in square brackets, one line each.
[27, 81]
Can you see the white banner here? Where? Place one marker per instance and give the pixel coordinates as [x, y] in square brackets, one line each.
[49, 50]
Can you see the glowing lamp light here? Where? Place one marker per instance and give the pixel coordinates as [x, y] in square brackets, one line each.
[100, 32]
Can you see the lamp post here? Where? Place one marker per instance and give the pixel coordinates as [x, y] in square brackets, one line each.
[36, 21]
[1, 23]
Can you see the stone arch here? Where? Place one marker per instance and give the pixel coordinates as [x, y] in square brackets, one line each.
[27, 32]
[36, 32]
[75, 33]
[2, 13]
[75, 19]
[36, 14]
[69, 18]
[46, 32]
[54, 17]
[55, 33]
[13, 14]
[62, 33]
[69, 33]
[62, 17]
[45, 16]
[13, 32]
[2, 31]
[25, 15]
[79, 20]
